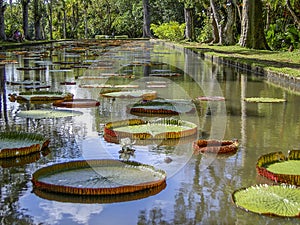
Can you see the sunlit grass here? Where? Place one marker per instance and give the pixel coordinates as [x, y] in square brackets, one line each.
[277, 61]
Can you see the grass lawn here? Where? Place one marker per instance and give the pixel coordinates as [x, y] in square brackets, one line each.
[281, 62]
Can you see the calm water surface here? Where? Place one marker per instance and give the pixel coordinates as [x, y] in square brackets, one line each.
[199, 187]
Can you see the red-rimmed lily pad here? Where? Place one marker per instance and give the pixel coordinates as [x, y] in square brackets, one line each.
[279, 168]
[166, 128]
[270, 200]
[215, 146]
[98, 177]
[77, 103]
[15, 144]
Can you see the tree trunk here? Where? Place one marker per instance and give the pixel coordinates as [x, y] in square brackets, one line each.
[147, 21]
[217, 18]
[215, 32]
[2, 23]
[253, 35]
[85, 24]
[230, 24]
[37, 15]
[51, 19]
[25, 7]
[65, 24]
[189, 24]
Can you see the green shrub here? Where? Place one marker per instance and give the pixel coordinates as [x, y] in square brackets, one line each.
[280, 36]
[172, 31]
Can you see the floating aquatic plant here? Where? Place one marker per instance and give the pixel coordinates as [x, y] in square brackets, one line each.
[161, 106]
[215, 146]
[264, 100]
[277, 167]
[145, 94]
[167, 128]
[48, 113]
[274, 200]
[77, 103]
[40, 96]
[13, 144]
[98, 177]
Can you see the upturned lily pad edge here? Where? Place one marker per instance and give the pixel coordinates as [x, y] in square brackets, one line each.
[93, 191]
[275, 157]
[41, 143]
[109, 129]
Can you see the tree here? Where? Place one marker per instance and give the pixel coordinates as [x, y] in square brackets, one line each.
[147, 19]
[25, 6]
[2, 23]
[37, 17]
[189, 11]
[293, 13]
[252, 35]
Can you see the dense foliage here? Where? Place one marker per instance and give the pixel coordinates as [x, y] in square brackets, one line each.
[211, 21]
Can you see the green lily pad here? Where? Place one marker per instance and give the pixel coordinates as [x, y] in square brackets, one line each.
[153, 129]
[13, 144]
[39, 96]
[279, 168]
[145, 94]
[264, 100]
[286, 167]
[162, 106]
[98, 177]
[48, 113]
[277, 200]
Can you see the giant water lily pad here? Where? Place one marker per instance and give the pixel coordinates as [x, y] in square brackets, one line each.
[277, 167]
[77, 103]
[145, 94]
[13, 144]
[154, 129]
[215, 146]
[277, 200]
[161, 106]
[48, 113]
[98, 177]
[264, 100]
[40, 97]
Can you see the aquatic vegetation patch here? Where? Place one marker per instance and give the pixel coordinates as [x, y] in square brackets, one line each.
[145, 94]
[264, 100]
[39, 97]
[162, 106]
[280, 168]
[166, 128]
[77, 103]
[215, 146]
[13, 144]
[48, 113]
[274, 200]
[98, 177]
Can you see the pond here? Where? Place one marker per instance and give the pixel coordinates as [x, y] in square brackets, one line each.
[198, 186]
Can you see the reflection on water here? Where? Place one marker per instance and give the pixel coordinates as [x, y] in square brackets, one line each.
[198, 187]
